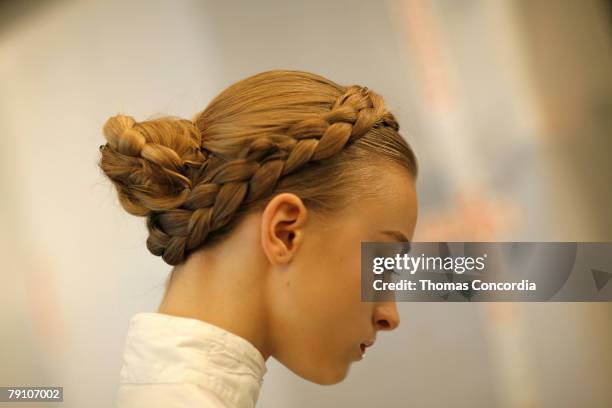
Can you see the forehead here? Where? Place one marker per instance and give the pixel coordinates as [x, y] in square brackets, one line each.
[396, 205]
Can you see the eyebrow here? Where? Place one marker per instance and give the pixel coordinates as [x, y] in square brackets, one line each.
[397, 235]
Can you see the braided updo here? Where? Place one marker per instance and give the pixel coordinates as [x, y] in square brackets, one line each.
[277, 131]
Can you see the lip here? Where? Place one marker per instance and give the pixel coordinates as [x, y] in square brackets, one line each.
[369, 343]
[363, 346]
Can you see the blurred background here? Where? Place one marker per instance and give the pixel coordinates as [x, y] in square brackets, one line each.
[508, 105]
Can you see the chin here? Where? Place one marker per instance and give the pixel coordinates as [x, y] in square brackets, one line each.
[322, 374]
[329, 376]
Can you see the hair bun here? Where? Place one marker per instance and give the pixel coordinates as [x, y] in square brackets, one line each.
[146, 161]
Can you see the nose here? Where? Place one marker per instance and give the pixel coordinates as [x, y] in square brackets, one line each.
[386, 316]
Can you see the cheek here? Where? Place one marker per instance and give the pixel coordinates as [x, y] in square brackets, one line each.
[338, 317]
[333, 288]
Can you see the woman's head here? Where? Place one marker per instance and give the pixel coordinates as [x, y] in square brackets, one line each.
[313, 166]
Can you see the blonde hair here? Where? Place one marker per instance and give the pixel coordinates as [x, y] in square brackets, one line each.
[277, 131]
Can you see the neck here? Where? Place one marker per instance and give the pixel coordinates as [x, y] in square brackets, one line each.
[220, 288]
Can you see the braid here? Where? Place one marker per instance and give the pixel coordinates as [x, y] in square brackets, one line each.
[210, 198]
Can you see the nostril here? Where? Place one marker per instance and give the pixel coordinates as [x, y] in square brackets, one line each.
[384, 324]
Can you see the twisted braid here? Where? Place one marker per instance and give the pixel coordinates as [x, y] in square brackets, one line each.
[213, 201]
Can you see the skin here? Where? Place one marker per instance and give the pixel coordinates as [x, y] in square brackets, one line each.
[290, 284]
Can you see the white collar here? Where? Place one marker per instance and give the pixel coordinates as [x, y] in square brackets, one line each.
[161, 348]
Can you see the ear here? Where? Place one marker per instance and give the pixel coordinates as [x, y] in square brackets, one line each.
[282, 227]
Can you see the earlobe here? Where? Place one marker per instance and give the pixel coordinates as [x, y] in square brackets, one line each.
[282, 227]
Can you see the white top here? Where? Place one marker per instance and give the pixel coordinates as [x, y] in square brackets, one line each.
[173, 362]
